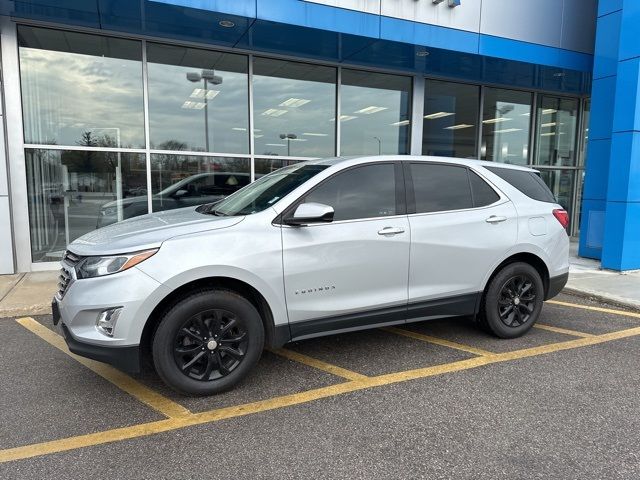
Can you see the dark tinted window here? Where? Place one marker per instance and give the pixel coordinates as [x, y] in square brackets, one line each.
[483, 194]
[362, 192]
[440, 187]
[528, 183]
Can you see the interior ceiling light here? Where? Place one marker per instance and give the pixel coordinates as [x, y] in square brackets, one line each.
[310, 134]
[422, 53]
[547, 111]
[276, 144]
[202, 93]
[548, 134]
[226, 23]
[433, 116]
[497, 120]
[298, 139]
[239, 129]
[508, 130]
[550, 124]
[400, 123]
[344, 118]
[274, 112]
[371, 109]
[458, 127]
[294, 102]
[193, 105]
[258, 136]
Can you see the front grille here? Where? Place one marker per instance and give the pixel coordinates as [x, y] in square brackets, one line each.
[64, 280]
[71, 258]
[69, 261]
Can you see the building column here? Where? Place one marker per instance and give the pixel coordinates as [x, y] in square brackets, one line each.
[611, 202]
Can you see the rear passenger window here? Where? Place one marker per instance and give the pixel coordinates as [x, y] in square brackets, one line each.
[527, 182]
[483, 194]
[362, 192]
[439, 188]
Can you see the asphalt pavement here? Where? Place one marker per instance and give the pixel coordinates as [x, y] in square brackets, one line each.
[431, 400]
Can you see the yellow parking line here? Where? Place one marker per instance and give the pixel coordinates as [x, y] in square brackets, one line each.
[437, 341]
[319, 364]
[151, 428]
[595, 309]
[124, 382]
[564, 331]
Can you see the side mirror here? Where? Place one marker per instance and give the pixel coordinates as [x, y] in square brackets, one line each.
[308, 213]
[181, 193]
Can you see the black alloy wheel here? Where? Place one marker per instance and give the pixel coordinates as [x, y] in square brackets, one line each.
[512, 301]
[207, 342]
[517, 300]
[210, 345]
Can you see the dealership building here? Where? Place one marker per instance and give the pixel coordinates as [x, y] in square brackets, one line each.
[115, 108]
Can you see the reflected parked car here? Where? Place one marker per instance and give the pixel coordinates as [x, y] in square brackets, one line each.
[194, 190]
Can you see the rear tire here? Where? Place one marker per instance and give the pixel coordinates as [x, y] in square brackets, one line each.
[512, 301]
[208, 342]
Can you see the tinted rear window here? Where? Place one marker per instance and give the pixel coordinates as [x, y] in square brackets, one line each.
[528, 183]
[439, 188]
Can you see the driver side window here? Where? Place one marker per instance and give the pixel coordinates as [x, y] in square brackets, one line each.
[368, 191]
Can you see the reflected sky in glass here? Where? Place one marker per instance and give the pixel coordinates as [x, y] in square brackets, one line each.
[296, 101]
[375, 113]
[506, 118]
[80, 89]
[198, 100]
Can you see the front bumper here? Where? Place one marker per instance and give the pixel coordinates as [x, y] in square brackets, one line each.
[124, 358]
[84, 300]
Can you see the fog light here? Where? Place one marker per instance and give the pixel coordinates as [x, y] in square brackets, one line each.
[107, 319]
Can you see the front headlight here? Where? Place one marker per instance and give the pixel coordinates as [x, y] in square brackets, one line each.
[98, 266]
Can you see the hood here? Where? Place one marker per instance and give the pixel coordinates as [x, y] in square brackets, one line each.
[147, 231]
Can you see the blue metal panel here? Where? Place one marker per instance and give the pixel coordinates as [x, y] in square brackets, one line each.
[428, 35]
[317, 16]
[622, 236]
[605, 61]
[530, 52]
[596, 180]
[592, 228]
[629, 39]
[627, 104]
[624, 168]
[603, 96]
[605, 7]
[243, 8]
[194, 25]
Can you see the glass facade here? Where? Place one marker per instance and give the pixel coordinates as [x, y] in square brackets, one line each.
[375, 113]
[294, 108]
[62, 73]
[72, 192]
[217, 121]
[198, 100]
[506, 115]
[450, 125]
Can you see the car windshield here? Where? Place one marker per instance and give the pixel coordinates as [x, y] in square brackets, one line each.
[265, 192]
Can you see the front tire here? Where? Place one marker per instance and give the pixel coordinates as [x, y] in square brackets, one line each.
[208, 342]
[512, 301]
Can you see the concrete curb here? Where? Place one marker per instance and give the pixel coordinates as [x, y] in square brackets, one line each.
[38, 309]
[602, 298]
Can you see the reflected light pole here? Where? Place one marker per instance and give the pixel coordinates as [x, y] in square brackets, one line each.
[288, 137]
[379, 145]
[209, 76]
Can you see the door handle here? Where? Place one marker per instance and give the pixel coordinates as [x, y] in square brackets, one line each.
[495, 219]
[390, 231]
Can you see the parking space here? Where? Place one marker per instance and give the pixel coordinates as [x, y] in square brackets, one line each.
[369, 398]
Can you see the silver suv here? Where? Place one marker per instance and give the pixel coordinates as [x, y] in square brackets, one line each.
[312, 249]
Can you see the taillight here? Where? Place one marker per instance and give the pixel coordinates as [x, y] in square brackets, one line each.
[562, 216]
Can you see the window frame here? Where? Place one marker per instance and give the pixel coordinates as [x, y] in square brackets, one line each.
[400, 194]
[410, 192]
